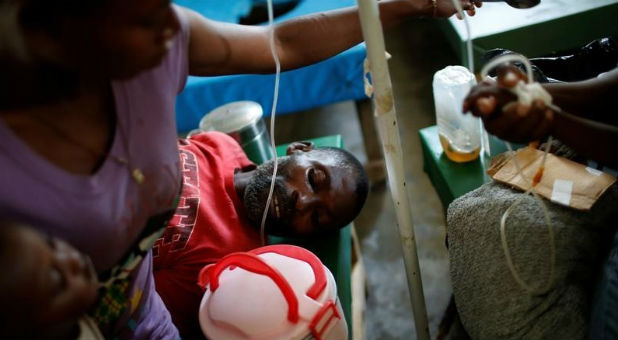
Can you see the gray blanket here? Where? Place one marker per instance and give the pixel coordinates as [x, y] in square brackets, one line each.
[491, 304]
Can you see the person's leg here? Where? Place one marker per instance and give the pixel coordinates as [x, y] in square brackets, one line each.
[604, 316]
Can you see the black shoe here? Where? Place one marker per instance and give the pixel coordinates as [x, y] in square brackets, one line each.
[538, 75]
[597, 57]
[587, 62]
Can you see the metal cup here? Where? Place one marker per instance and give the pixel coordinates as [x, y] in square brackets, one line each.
[242, 121]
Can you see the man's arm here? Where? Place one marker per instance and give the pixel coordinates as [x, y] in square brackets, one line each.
[217, 48]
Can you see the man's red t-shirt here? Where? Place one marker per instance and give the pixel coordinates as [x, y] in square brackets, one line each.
[206, 226]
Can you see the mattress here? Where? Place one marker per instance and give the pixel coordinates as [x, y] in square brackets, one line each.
[336, 79]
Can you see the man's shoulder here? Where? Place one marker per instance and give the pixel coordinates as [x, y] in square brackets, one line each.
[217, 144]
[213, 142]
[214, 139]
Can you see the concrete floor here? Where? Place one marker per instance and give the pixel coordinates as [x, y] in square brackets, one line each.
[419, 49]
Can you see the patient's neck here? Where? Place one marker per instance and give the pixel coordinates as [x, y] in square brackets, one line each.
[242, 177]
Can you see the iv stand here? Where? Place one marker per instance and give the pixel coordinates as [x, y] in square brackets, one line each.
[386, 121]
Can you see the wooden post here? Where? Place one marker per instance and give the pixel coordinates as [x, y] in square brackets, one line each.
[386, 121]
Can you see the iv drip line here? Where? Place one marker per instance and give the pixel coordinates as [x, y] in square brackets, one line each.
[273, 50]
[525, 93]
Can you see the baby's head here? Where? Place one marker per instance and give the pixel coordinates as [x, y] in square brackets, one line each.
[46, 285]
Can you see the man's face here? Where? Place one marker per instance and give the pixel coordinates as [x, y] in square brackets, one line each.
[314, 193]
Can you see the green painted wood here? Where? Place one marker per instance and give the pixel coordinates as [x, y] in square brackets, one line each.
[555, 36]
[334, 140]
[537, 39]
[451, 179]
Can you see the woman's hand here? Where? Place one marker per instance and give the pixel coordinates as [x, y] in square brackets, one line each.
[502, 114]
[445, 8]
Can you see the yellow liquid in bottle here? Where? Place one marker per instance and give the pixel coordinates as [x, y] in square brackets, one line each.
[457, 155]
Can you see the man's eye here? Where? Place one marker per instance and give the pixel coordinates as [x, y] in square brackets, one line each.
[319, 177]
[311, 178]
[316, 178]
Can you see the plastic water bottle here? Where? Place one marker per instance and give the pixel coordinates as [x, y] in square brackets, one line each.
[460, 135]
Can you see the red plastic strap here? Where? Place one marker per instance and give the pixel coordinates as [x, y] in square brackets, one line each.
[255, 264]
[202, 277]
[301, 254]
[317, 333]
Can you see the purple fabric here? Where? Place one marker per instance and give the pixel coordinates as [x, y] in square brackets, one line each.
[103, 214]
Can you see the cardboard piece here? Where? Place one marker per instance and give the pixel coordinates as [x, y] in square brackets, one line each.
[563, 182]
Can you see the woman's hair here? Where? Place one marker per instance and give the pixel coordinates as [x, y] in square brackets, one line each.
[46, 14]
[23, 82]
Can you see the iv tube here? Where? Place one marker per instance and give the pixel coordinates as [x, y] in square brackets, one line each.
[273, 50]
[509, 261]
[550, 230]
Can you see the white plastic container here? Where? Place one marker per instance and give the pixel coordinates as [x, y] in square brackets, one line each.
[272, 292]
[460, 135]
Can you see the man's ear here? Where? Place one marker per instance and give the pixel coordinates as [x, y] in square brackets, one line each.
[304, 146]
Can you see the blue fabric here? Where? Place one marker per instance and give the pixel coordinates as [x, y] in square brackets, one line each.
[220, 10]
[335, 79]
[275, 2]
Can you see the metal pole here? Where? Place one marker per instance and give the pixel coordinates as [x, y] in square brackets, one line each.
[386, 121]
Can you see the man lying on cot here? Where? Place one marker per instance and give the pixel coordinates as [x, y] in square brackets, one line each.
[317, 191]
[46, 287]
[490, 301]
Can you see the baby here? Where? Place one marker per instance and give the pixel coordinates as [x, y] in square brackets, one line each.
[46, 286]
